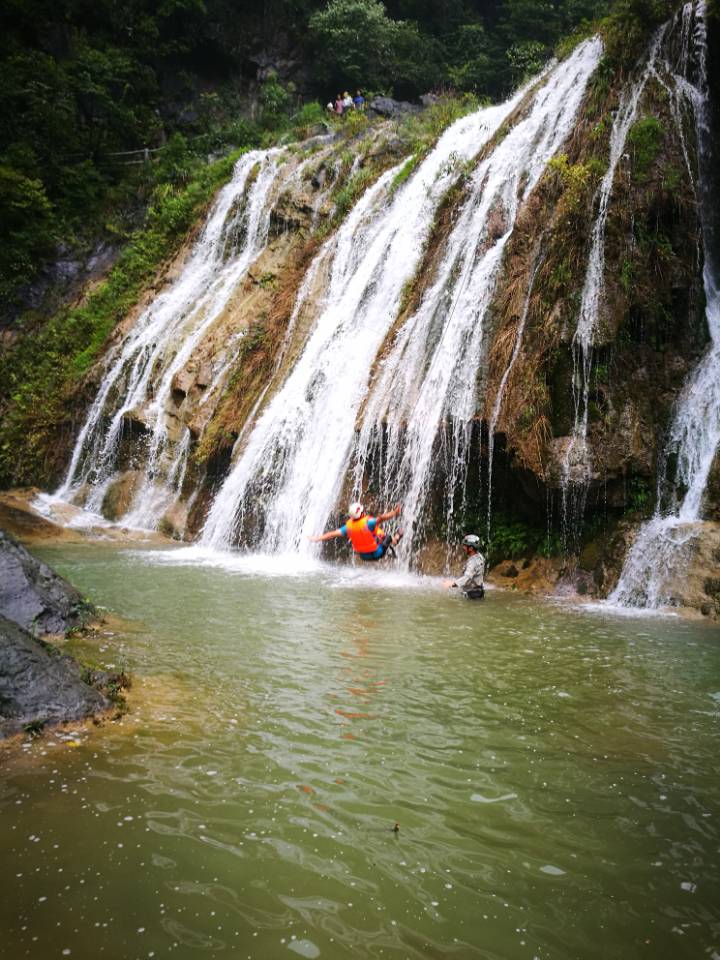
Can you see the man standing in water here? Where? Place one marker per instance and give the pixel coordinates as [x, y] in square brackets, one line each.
[369, 541]
[471, 581]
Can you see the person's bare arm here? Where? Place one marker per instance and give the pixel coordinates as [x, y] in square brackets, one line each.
[395, 512]
[330, 535]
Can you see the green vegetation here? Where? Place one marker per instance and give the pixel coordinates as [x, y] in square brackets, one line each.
[362, 46]
[405, 172]
[34, 729]
[349, 191]
[645, 139]
[512, 539]
[48, 364]
[92, 94]
[575, 178]
[640, 495]
[628, 27]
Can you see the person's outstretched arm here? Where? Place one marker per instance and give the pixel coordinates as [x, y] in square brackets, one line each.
[330, 535]
[395, 512]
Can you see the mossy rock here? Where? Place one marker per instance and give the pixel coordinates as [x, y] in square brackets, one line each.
[712, 587]
[589, 557]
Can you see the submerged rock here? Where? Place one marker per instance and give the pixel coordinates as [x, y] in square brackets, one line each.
[34, 596]
[39, 685]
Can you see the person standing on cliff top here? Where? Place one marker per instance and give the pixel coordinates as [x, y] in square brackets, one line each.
[369, 541]
[470, 583]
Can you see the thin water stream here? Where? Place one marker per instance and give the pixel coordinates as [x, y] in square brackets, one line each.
[552, 771]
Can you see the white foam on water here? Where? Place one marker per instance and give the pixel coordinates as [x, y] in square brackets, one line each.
[290, 565]
[480, 798]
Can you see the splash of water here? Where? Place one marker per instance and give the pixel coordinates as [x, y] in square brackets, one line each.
[664, 544]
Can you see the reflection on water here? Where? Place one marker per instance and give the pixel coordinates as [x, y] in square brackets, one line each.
[552, 775]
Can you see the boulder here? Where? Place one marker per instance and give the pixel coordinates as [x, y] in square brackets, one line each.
[174, 521]
[20, 520]
[119, 495]
[34, 596]
[387, 107]
[38, 685]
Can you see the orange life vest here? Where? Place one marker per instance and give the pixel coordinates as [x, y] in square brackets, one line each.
[362, 539]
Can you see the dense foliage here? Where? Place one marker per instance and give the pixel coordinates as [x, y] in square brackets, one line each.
[86, 88]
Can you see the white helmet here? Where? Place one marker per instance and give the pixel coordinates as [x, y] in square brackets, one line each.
[355, 511]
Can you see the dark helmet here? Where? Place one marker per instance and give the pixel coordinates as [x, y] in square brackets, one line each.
[472, 540]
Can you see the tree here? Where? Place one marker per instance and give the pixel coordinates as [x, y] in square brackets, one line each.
[358, 45]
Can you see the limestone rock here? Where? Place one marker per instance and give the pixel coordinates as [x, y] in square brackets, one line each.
[174, 521]
[119, 495]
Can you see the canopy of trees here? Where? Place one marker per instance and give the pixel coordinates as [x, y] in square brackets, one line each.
[83, 81]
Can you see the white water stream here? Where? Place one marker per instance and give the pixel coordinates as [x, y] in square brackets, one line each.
[577, 462]
[289, 472]
[664, 542]
[363, 397]
[429, 381]
[291, 469]
[139, 375]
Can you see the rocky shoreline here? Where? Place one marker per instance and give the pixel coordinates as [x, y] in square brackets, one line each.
[39, 685]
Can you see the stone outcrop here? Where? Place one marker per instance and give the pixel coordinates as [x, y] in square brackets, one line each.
[39, 685]
[34, 596]
[387, 107]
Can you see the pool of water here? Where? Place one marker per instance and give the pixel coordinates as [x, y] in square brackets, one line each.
[552, 771]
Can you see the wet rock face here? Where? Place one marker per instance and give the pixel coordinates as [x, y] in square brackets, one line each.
[34, 596]
[38, 684]
[120, 493]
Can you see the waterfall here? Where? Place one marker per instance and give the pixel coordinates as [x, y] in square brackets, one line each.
[665, 541]
[288, 473]
[429, 380]
[576, 466]
[291, 466]
[140, 370]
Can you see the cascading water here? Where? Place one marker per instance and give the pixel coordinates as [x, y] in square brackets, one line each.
[576, 466]
[289, 471]
[291, 467]
[428, 382]
[663, 543]
[139, 373]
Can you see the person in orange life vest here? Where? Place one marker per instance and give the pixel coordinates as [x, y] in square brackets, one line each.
[369, 541]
